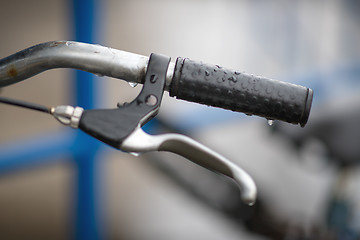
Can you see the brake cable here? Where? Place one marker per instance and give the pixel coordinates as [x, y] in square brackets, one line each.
[24, 104]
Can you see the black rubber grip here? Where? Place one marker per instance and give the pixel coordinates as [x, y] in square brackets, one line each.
[219, 87]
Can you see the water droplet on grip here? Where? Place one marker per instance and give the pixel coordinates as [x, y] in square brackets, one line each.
[135, 154]
[233, 79]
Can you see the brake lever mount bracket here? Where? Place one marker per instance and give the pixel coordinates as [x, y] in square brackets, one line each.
[113, 126]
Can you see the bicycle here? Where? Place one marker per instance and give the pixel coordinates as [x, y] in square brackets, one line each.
[184, 79]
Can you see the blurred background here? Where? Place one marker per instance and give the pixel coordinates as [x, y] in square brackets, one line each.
[308, 178]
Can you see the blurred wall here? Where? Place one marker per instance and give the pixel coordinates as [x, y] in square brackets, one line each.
[34, 203]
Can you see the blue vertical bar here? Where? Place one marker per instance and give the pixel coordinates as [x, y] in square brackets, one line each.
[87, 217]
[85, 148]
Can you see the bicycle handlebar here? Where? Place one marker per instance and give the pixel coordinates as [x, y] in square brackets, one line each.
[100, 60]
[186, 79]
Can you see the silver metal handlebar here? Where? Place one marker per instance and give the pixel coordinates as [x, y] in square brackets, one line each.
[97, 59]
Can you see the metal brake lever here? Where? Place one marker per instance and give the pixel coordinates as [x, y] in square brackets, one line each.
[121, 128]
[141, 142]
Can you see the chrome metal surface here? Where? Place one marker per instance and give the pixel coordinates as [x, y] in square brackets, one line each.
[67, 115]
[169, 75]
[97, 59]
[140, 142]
[75, 118]
[100, 60]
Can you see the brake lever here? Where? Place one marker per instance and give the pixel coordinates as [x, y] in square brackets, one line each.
[121, 128]
[141, 142]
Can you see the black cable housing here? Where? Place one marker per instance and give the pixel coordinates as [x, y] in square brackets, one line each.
[24, 104]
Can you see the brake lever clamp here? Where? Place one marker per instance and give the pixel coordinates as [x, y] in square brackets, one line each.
[121, 128]
[113, 126]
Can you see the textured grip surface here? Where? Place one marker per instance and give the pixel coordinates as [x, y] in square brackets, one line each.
[219, 87]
